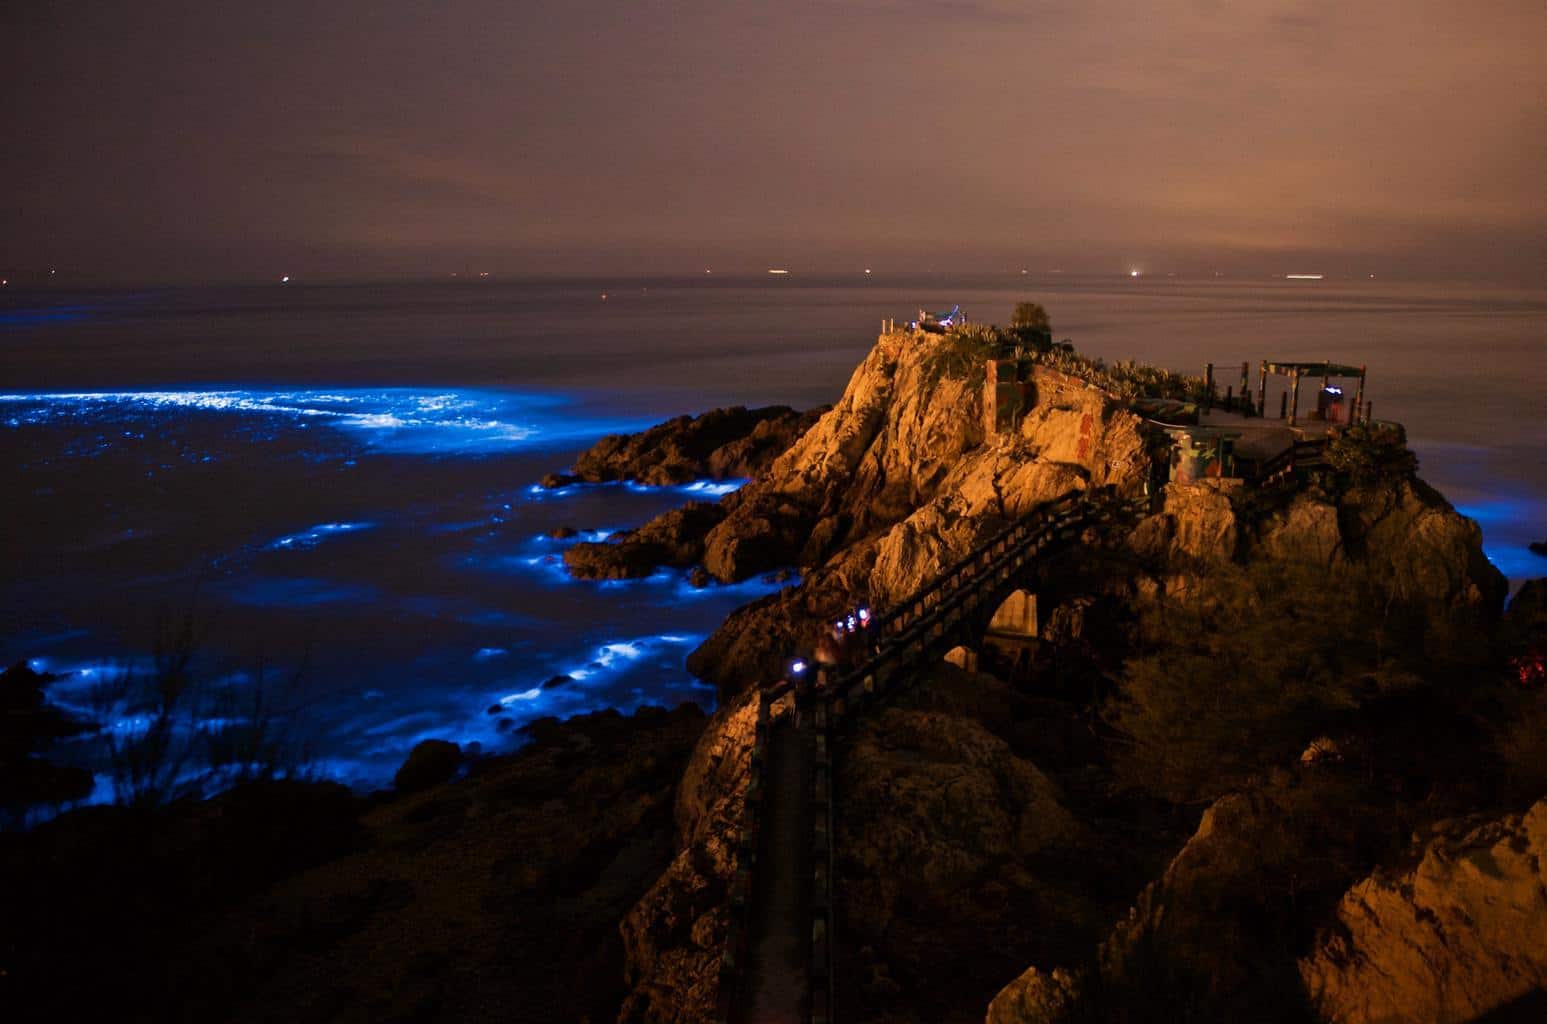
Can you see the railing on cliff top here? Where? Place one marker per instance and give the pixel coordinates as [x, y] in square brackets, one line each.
[1299, 455]
[907, 635]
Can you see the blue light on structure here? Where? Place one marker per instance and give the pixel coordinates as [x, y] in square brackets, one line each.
[798, 667]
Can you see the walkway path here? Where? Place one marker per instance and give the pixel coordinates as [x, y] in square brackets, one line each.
[787, 975]
[776, 968]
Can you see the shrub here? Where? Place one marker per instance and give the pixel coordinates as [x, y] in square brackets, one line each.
[1030, 315]
[963, 353]
[1367, 454]
[1266, 662]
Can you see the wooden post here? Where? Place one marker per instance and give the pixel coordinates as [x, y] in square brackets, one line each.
[1294, 399]
[1246, 388]
[1262, 388]
[1358, 397]
[1229, 396]
[1369, 411]
[1208, 387]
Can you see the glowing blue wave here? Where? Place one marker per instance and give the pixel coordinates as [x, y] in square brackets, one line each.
[699, 489]
[316, 535]
[1507, 522]
[404, 420]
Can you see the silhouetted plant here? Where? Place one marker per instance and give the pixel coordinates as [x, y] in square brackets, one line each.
[1252, 670]
[171, 735]
[1372, 453]
[962, 353]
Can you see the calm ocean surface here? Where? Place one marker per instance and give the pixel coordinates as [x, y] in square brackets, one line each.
[335, 482]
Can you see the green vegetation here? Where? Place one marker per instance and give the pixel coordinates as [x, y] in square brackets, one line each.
[1372, 453]
[1030, 316]
[1270, 660]
[963, 354]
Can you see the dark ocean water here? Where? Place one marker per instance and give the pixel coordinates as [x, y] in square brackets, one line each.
[335, 482]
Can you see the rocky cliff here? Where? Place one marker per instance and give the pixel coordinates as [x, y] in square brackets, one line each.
[1457, 933]
[899, 479]
[674, 936]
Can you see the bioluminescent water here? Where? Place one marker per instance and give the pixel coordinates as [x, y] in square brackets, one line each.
[385, 547]
[337, 484]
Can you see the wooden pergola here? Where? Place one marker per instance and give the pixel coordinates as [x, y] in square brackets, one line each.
[1294, 371]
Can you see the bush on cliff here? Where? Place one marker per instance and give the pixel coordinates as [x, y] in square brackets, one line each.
[963, 354]
[1364, 454]
[1267, 661]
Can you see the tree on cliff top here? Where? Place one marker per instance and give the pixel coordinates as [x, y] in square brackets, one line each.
[1030, 316]
[1030, 326]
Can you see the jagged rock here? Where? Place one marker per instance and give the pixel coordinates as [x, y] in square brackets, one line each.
[1524, 627]
[755, 546]
[674, 538]
[1197, 526]
[675, 934]
[1458, 934]
[1307, 532]
[1324, 750]
[1411, 534]
[721, 443]
[891, 485]
[430, 763]
[920, 547]
[755, 641]
[1035, 998]
[559, 680]
[934, 807]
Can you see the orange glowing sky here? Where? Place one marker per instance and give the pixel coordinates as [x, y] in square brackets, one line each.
[179, 140]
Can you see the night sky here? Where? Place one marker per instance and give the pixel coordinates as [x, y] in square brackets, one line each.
[211, 140]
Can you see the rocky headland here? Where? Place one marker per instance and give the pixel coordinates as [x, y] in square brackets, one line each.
[1265, 753]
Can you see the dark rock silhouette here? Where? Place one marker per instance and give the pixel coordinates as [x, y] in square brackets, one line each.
[430, 762]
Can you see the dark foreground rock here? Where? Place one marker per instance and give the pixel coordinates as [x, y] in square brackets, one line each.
[720, 444]
[430, 763]
[496, 897]
[27, 724]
